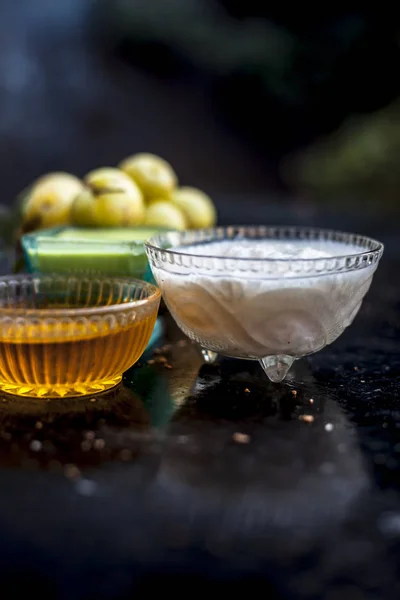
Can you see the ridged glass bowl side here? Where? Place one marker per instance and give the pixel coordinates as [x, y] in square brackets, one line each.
[269, 309]
[63, 335]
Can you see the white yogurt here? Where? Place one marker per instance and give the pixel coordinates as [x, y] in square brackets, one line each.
[276, 249]
[250, 316]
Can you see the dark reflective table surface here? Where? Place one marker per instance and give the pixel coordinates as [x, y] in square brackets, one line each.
[192, 477]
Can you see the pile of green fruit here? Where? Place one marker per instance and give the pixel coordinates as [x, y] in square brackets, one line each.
[142, 190]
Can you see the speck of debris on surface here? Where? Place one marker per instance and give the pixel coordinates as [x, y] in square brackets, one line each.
[356, 368]
[90, 435]
[182, 343]
[35, 445]
[71, 471]
[39, 425]
[86, 445]
[246, 390]
[241, 438]
[311, 400]
[307, 418]
[126, 454]
[158, 360]
[168, 366]
[99, 444]
[328, 427]
[92, 400]
[327, 468]
[182, 439]
[294, 393]
[86, 487]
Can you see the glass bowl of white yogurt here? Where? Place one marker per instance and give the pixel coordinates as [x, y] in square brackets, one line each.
[272, 294]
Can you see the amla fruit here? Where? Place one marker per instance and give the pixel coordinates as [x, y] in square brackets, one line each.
[161, 213]
[48, 202]
[110, 199]
[154, 175]
[197, 207]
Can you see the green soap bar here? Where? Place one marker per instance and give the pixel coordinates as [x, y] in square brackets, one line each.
[113, 251]
[110, 263]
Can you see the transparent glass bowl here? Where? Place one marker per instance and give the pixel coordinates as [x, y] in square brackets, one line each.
[272, 310]
[70, 336]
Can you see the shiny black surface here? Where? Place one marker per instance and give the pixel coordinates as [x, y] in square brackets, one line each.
[192, 477]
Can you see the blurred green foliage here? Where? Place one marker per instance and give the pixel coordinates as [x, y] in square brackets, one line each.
[360, 158]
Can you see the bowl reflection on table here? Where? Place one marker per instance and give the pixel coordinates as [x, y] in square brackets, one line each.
[72, 435]
[273, 310]
[70, 336]
[247, 476]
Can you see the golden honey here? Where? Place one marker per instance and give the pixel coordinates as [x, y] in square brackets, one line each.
[80, 366]
[63, 350]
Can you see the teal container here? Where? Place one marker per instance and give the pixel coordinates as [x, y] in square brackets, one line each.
[111, 251]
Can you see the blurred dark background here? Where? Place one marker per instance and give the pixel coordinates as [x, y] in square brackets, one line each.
[242, 97]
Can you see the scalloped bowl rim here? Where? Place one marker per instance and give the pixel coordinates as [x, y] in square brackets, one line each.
[377, 248]
[79, 312]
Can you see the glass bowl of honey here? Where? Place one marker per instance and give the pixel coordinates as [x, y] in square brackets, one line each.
[63, 335]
